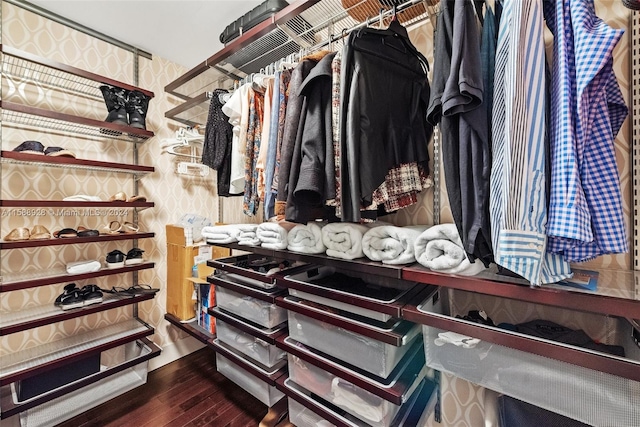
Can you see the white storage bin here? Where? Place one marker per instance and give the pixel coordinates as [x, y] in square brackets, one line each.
[262, 391]
[261, 312]
[358, 402]
[592, 397]
[371, 355]
[300, 416]
[257, 349]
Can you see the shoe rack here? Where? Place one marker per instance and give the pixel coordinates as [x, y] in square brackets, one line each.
[128, 338]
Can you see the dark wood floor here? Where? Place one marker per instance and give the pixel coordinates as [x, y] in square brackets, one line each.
[187, 392]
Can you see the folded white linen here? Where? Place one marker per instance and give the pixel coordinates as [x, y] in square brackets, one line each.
[391, 244]
[81, 267]
[273, 235]
[343, 239]
[440, 248]
[247, 235]
[82, 198]
[306, 238]
[221, 233]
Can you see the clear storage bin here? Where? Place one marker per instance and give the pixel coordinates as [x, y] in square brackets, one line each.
[261, 312]
[592, 397]
[300, 416]
[257, 349]
[376, 357]
[355, 400]
[262, 391]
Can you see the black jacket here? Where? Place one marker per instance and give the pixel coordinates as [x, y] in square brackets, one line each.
[312, 175]
[385, 93]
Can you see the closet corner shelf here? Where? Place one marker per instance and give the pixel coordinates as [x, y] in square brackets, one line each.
[193, 112]
[18, 64]
[616, 294]
[192, 328]
[39, 118]
[72, 240]
[126, 368]
[45, 315]
[361, 265]
[36, 360]
[73, 163]
[40, 280]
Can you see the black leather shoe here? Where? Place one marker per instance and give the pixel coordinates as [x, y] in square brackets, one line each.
[115, 259]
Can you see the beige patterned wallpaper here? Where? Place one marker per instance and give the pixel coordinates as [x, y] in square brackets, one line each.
[173, 195]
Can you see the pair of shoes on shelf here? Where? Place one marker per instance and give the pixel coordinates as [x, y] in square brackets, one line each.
[80, 232]
[132, 290]
[38, 232]
[122, 197]
[118, 259]
[36, 147]
[115, 227]
[122, 102]
[74, 297]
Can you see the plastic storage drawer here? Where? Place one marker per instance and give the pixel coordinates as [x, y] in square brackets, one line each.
[376, 357]
[300, 416]
[593, 397]
[262, 391]
[263, 313]
[257, 349]
[360, 403]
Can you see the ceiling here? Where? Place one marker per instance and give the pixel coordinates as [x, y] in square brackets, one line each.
[185, 32]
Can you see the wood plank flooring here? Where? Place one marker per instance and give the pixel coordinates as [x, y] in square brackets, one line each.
[187, 392]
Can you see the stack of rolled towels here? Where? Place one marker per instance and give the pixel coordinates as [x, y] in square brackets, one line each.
[437, 247]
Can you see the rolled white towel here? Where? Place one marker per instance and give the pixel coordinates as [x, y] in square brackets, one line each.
[273, 235]
[306, 238]
[221, 233]
[343, 239]
[391, 244]
[440, 249]
[247, 235]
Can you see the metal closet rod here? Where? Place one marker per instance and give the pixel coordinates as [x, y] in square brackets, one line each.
[79, 27]
[384, 13]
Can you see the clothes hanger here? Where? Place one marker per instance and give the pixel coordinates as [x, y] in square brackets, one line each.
[396, 26]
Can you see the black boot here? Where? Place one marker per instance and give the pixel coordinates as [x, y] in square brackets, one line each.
[137, 105]
[115, 98]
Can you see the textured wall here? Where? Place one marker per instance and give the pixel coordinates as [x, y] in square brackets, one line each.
[173, 195]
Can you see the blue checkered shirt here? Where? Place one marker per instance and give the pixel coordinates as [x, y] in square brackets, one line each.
[587, 111]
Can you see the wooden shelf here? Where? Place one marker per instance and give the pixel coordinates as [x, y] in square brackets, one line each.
[268, 377]
[9, 408]
[39, 118]
[193, 112]
[72, 240]
[17, 64]
[78, 204]
[395, 391]
[360, 265]
[616, 295]
[602, 362]
[267, 335]
[46, 315]
[395, 334]
[14, 157]
[36, 360]
[42, 280]
[192, 328]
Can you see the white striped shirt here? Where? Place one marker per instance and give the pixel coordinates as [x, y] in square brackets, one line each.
[518, 200]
